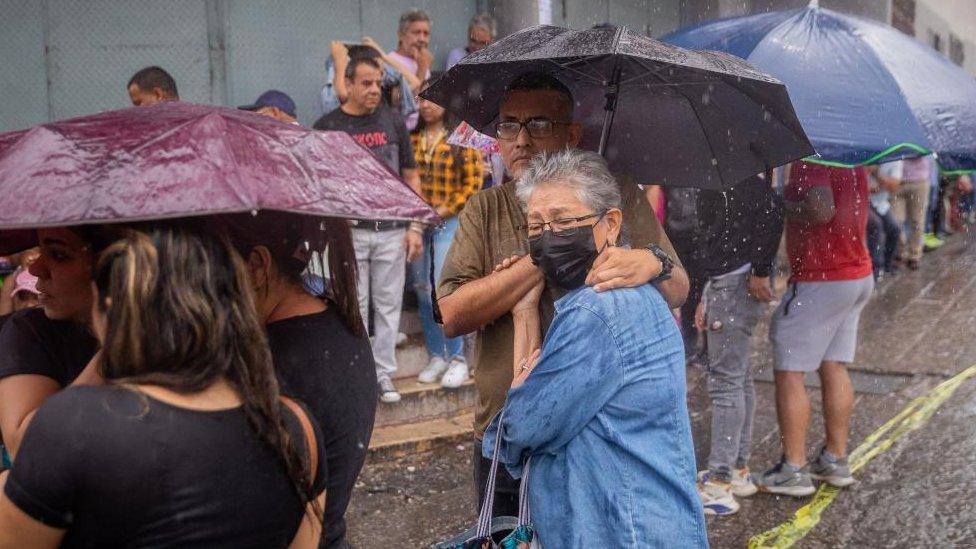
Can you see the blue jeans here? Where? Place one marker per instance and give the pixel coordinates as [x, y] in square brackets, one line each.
[437, 241]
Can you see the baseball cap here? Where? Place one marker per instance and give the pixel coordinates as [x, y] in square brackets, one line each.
[272, 98]
[25, 282]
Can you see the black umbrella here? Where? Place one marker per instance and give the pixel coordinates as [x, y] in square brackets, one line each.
[659, 113]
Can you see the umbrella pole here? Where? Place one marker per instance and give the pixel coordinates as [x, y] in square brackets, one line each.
[613, 91]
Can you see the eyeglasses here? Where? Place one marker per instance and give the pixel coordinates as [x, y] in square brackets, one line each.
[538, 128]
[567, 226]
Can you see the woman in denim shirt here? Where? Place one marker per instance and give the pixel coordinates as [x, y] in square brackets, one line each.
[601, 408]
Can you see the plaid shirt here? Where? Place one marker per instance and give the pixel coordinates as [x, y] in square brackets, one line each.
[442, 183]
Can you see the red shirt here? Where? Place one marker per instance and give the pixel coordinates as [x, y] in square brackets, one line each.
[835, 250]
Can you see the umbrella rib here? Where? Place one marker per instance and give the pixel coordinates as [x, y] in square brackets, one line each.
[577, 71]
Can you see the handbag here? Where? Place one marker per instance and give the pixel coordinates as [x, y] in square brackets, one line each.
[498, 532]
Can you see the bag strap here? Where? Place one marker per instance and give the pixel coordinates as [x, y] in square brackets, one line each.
[310, 441]
[484, 517]
[524, 516]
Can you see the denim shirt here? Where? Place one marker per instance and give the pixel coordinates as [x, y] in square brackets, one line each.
[604, 418]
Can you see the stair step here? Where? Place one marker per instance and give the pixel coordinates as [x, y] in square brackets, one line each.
[395, 441]
[422, 402]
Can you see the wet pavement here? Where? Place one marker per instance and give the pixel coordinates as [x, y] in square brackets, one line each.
[919, 330]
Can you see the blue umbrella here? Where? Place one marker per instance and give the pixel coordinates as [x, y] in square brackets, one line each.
[863, 91]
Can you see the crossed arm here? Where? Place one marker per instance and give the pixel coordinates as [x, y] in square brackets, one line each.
[486, 299]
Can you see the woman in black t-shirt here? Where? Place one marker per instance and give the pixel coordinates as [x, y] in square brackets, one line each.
[44, 350]
[188, 444]
[319, 346]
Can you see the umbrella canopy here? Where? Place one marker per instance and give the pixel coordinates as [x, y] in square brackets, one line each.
[658, 113]
[180, 159]
[864, 91]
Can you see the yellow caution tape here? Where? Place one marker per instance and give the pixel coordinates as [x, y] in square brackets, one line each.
[914, 416]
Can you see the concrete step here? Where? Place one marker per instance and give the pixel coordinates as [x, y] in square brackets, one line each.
[394, 441]
[422, 402]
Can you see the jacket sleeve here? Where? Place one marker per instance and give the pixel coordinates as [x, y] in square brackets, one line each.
[579, 371]
[763, 210]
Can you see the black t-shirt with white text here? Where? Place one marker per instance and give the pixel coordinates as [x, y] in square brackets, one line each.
[383, 132]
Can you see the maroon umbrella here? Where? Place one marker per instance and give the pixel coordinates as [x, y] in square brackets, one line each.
[181, 159]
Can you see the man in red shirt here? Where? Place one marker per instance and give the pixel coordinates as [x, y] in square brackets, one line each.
[815, 326]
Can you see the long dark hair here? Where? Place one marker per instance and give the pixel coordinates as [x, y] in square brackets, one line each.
[450, 124]
[290, 238]
[450, 121]
[182, 317]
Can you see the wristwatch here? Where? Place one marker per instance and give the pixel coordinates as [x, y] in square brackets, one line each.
[667, 264]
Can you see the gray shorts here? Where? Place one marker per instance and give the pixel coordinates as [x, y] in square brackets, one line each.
[816, 322]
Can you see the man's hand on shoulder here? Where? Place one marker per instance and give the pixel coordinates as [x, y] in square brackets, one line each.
[623, 268]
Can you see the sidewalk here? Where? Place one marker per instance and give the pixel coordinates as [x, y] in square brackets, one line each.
[917, 331]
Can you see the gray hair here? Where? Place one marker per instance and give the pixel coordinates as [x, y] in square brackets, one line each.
[411, 16]
[484, 21]
[586, 172]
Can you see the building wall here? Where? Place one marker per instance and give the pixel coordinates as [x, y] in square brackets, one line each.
[654, 17]
[950, 20]
[64, 58]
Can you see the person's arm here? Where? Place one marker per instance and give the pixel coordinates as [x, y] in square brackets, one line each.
[6, 300]
[809, 199]
[763, 212]
[310, 531]
[20, 529]
[623, 268]
[486, 299]
[20, 397]
[579, 371]
[408, 162]
[527, 324]
[412, 80]
[411, 176]
[425, 60]
[38, 493]
[340, 60]
[815, 208]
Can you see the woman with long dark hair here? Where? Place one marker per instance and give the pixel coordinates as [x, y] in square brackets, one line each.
[188, 443]
[449, 175]
[318, 343]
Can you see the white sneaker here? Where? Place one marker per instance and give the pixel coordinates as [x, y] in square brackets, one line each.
[434, 370]
[717, 498]
[388, 391]
[456, 374]
[742, 484]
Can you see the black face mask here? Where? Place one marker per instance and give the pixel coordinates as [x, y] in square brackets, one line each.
[565, 260]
